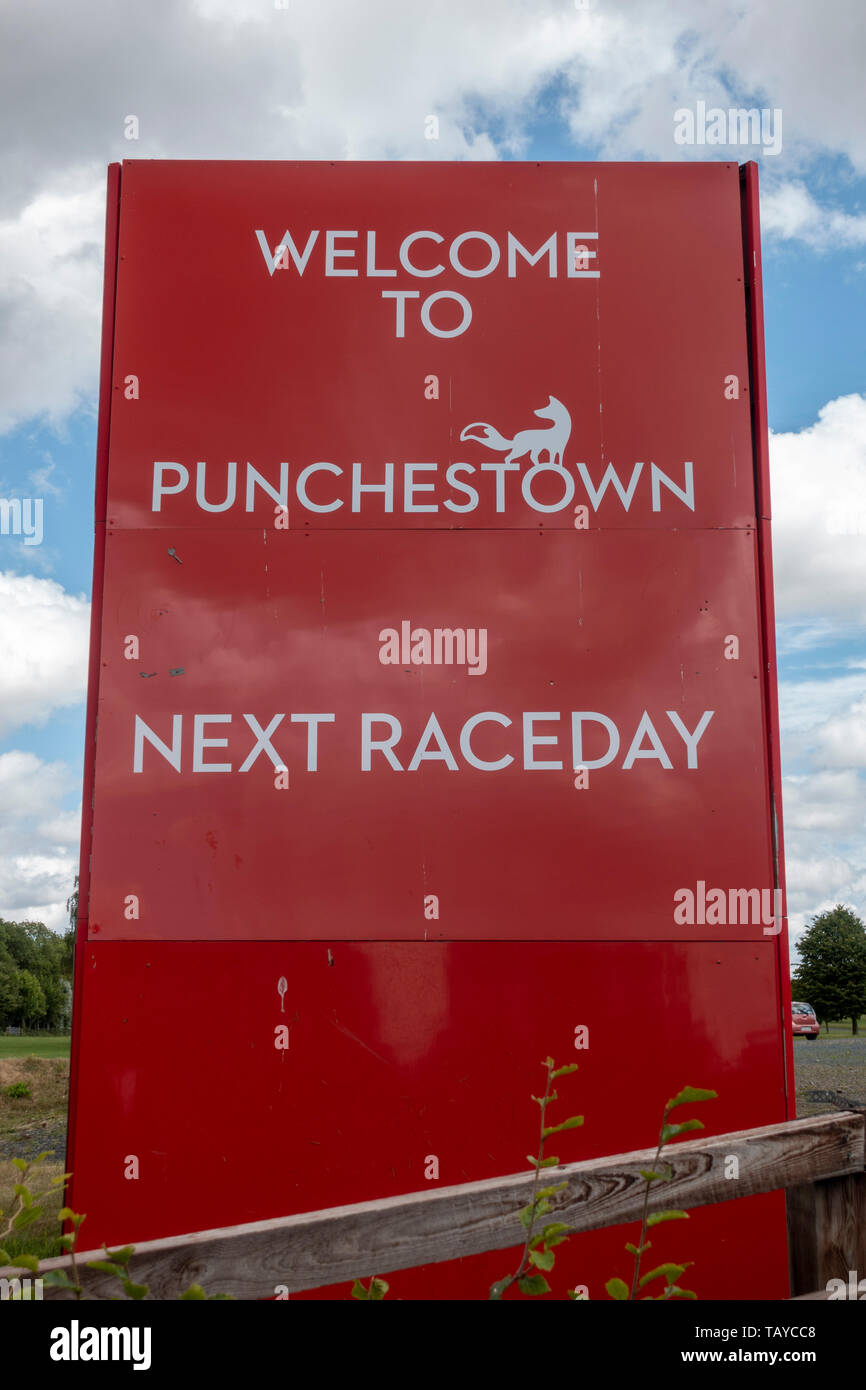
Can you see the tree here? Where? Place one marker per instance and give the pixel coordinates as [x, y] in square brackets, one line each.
[72, 908]
[31, 949]
[32, 1002]
[831, 975]
[10, 994]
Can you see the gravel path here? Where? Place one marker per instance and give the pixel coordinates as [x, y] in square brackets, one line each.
[35, 1139]
[831, 1075]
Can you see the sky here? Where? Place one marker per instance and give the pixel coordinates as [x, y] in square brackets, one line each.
[506, 79]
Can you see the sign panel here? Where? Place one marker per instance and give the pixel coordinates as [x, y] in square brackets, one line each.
[430, 642]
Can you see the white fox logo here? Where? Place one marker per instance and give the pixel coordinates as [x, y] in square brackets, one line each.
[551, 441]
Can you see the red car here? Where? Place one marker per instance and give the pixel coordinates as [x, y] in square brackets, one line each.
[805, 1024]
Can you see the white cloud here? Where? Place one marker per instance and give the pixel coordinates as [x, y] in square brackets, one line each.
[29, 790]
[818, 881]
[809, 708]
[44, 641]
[832, 801]
[842, 743]
[50, 303]
[34, 888]
[818, 493]
[39, 839]
[790, 212]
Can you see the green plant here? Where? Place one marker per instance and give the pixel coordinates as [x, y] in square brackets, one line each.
[372, 1293]
[26, 1211]
[538, 1255]
[617, 1288]
[18, 1090]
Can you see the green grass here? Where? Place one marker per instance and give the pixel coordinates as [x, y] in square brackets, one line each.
[34, 1045]
[843, 1030]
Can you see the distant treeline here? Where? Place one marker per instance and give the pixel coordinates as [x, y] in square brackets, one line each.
[35, 976]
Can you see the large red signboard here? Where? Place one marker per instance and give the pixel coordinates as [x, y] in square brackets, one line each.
[432, 727]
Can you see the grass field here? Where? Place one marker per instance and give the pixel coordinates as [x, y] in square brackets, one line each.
[843, 1030]
[34, 1045]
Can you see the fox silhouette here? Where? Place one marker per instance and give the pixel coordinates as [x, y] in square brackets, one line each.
[551, 441]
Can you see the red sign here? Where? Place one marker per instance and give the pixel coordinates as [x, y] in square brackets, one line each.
[433, 621]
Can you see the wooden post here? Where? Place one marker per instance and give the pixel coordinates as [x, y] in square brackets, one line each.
[827, 1234]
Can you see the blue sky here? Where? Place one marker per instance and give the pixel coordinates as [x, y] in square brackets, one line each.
[240, 79]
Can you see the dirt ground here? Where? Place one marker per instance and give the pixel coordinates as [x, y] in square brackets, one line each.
[31, 1124]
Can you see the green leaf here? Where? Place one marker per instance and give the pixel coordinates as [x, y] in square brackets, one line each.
[136, 1291]
[666, 1270]
[659, 1216]
[21, 1191]
[689, 1094]
[67, 1242]
[545, 1162]
[637, 1249]
[123, 1256]
[378, 1289]
[107, 1267]
[671, 1131]
[525, 1215]
[617, 1289]
[682, 1293]
[564, 1071]
[195, 1292]
[21, 1164]
[650, 1176]
[533, 1284]
[5, 1257]
[46, 1153]
[65, 1214]
[220, 1297]
[498, 1289]
[573, 1122]
[545, 1100]
[27, 1262]
[26, 1217]
[555, 1234]
[58, 1279]
[359, 1291]
[542, 1259]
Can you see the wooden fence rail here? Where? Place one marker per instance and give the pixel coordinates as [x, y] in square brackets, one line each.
[819, 1160]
